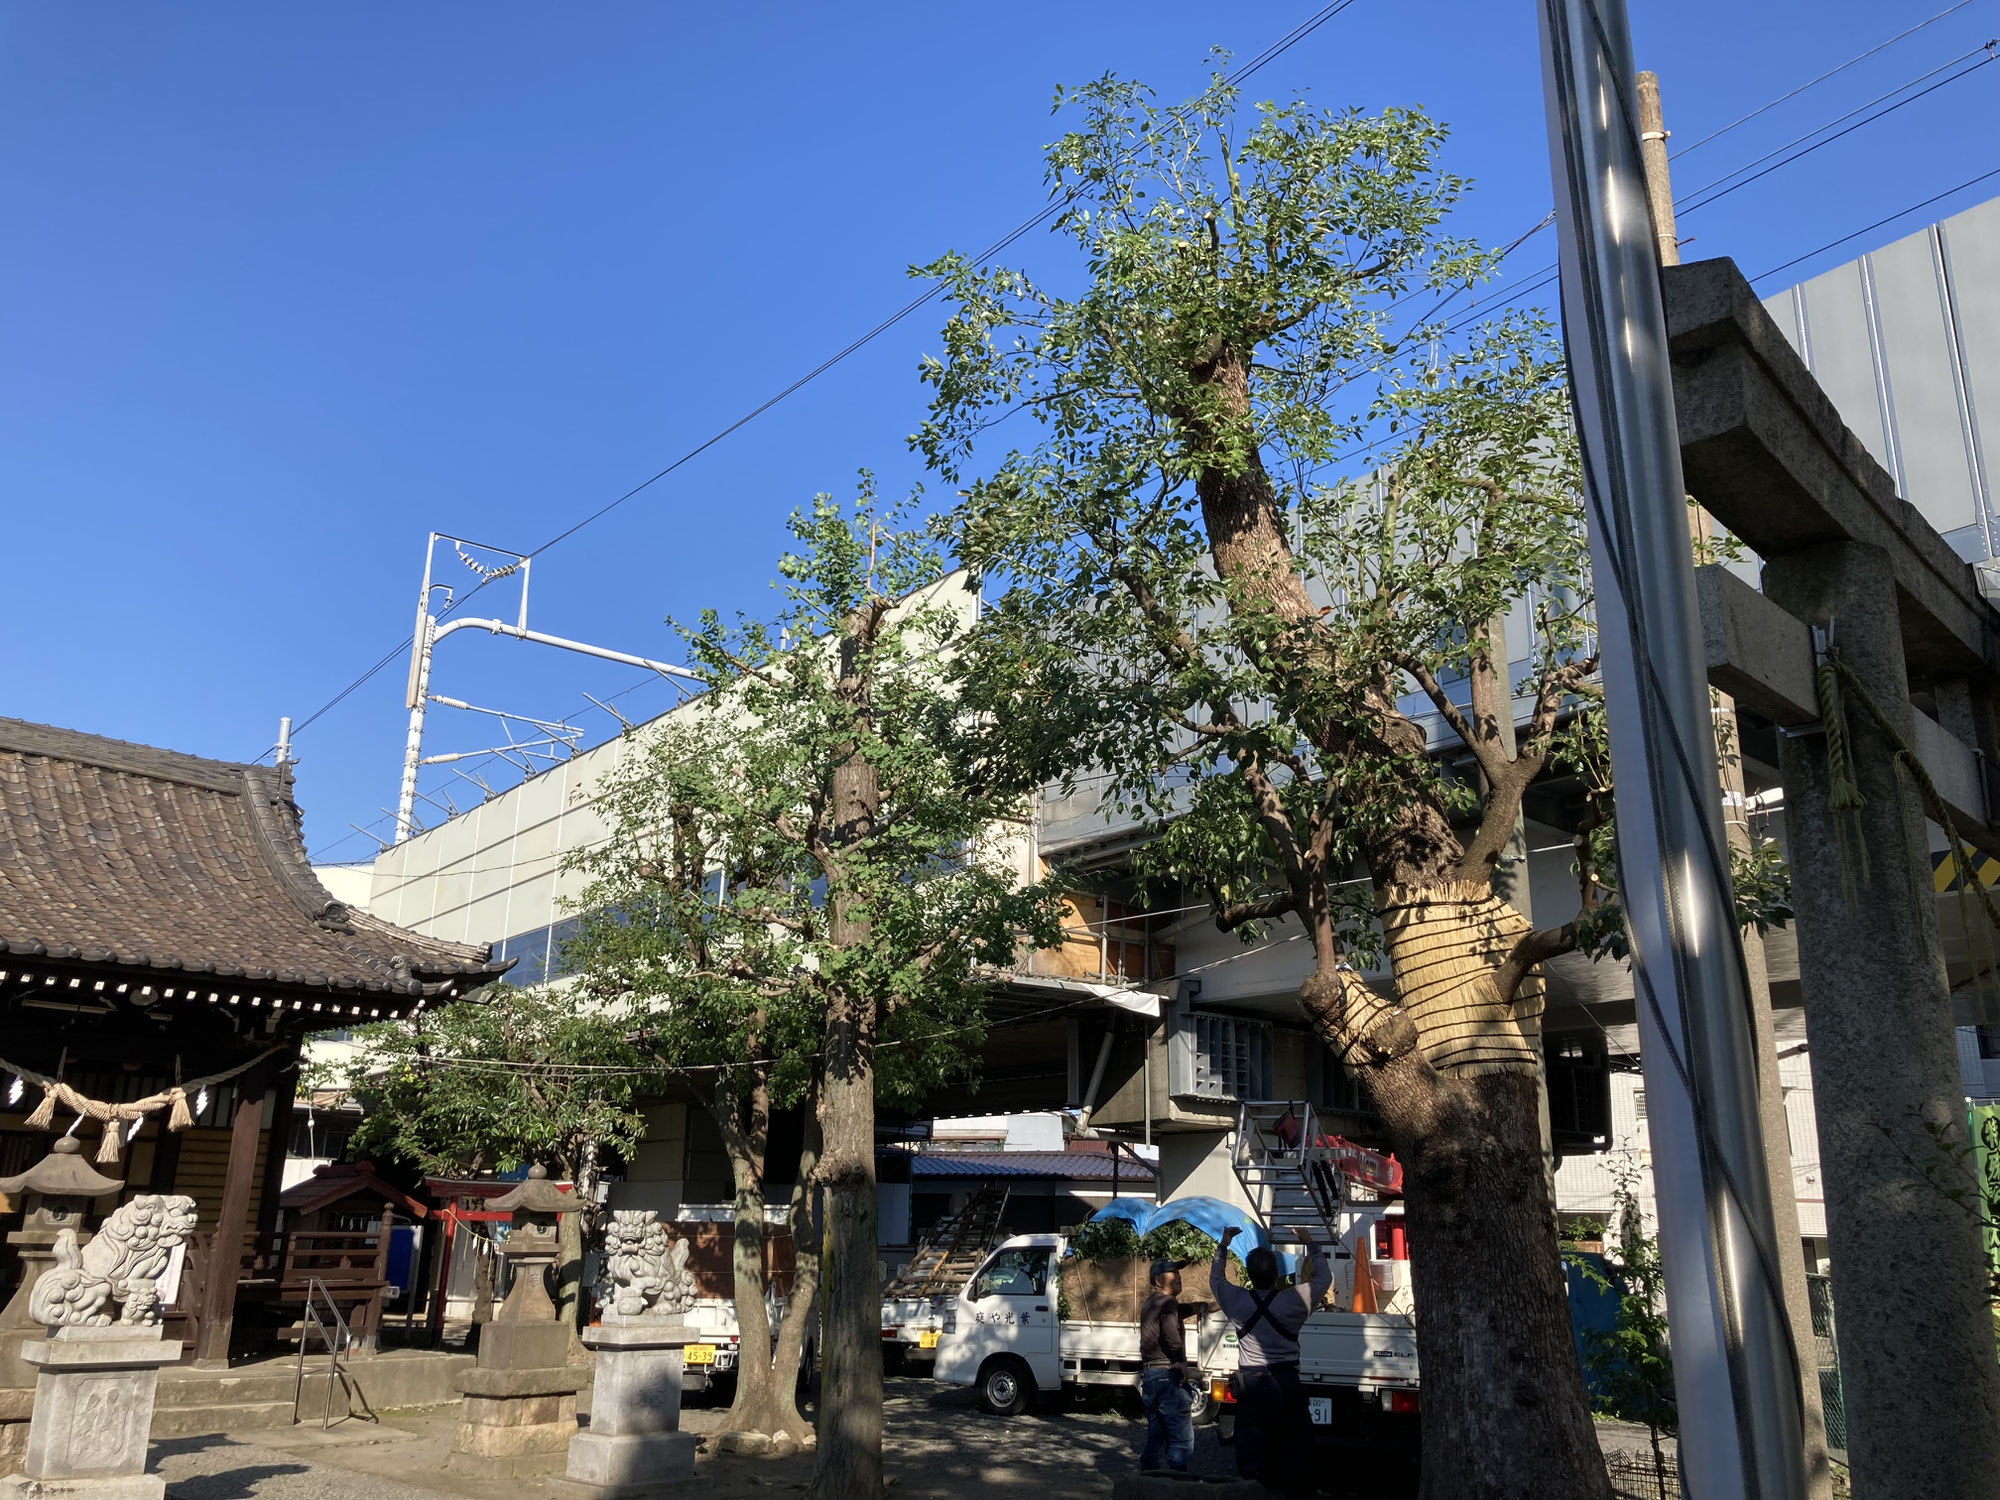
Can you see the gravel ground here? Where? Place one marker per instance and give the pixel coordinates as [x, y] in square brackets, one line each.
[940, 1446]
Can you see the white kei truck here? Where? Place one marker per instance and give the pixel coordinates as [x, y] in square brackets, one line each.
[1006, 1335]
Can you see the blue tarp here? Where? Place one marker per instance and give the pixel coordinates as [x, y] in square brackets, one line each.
[1592, 1309]
[1132, 1210]
[1210, 1215]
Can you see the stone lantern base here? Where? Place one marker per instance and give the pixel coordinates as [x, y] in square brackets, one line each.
[634, 1447]
[519, 1412]
[94, 1392]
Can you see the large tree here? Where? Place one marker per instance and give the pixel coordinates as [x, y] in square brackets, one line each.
[1300, 681]
[857, 866]
[697, 913]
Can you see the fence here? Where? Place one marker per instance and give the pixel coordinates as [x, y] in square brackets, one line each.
[1819, 1294]
[1638, 1476]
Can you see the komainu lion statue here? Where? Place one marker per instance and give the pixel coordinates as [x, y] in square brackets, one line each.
[123, 1264]
[645, 1267]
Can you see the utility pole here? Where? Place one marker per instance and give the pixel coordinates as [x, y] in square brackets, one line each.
[1653, 135]
[1735, 1367]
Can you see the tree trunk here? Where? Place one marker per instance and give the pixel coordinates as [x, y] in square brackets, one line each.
[1450, 1069]
[850, 1405]
[1452, 1060]
[568, 1276]
[1505, 1411]
[766, 1379]
[482, 1292]
[802, 1309]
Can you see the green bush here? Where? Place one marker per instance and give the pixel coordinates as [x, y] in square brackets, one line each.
[1116, 1239]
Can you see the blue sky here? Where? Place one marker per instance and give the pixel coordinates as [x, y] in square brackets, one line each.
[289, 287]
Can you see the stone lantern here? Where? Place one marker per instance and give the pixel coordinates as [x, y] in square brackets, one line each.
[519, 1412]
[56, 1193]
[532, 1245]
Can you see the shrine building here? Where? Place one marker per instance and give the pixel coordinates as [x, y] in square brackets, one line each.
[164, 952]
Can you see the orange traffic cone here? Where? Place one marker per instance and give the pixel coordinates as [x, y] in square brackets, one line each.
[1363, 1300]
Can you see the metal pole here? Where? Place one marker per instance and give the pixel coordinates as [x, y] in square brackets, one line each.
[413, 739]
[1735, 1372]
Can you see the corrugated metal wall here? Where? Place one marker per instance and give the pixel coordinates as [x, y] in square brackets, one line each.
[1906, 340]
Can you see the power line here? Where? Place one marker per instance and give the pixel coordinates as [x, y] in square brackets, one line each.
[1900, 213]
[1291, 38]
[1685, 204]
[1987, 48]
[1785, 98]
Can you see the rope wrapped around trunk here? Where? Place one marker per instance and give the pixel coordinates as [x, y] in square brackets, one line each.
[113, 1116]
[1446, 945]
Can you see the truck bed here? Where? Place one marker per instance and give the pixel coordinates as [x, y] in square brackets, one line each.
[1367, 1350]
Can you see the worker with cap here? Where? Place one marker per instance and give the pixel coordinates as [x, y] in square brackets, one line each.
[1163, 1374]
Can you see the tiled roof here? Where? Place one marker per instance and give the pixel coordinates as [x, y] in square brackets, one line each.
[1092, 1166]
[113, 853]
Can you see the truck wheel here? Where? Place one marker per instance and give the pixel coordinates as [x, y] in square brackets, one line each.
[1201, 1409]
[1006, 1387]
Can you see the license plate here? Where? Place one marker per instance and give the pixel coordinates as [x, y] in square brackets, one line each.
[1321, 1408]
[927, 1339]
[704, 1354]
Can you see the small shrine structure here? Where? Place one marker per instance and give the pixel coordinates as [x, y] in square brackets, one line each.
[164, 952]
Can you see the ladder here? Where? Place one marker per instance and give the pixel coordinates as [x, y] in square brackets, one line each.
[1299, 1191]
[953, 1248]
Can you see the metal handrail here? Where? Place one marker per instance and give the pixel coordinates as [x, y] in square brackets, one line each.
[339, 1341]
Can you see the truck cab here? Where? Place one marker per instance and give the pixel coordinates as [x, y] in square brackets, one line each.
[1001, 1333]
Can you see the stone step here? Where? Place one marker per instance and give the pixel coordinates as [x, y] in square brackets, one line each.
[204, 1389]
[196, 1421]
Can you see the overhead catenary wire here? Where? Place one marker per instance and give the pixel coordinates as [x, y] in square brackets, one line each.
[1290, 39]
[1695, 202]
[1879, 223]
[1815, 83]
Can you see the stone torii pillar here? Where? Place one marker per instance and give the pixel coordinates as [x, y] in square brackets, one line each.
[1909, 1270]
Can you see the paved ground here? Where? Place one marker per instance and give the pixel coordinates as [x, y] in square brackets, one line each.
[940, 1444]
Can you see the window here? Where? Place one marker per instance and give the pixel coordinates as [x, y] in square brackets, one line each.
[1989, 1041]
[1339, 1089]
[1014, 1273]
[1639, 1105]
[1224, 1057]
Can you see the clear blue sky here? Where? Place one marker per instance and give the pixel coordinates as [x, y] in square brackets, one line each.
[288, 287]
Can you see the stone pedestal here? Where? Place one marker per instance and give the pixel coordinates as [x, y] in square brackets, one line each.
[519, 1412]
[634, 1447]
[17, 1329]
[93, 1408]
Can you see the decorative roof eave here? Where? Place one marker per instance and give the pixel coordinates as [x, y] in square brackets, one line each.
[84, 983]
[462, 981]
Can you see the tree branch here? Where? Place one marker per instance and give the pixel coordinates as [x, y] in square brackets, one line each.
[1534, 948]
